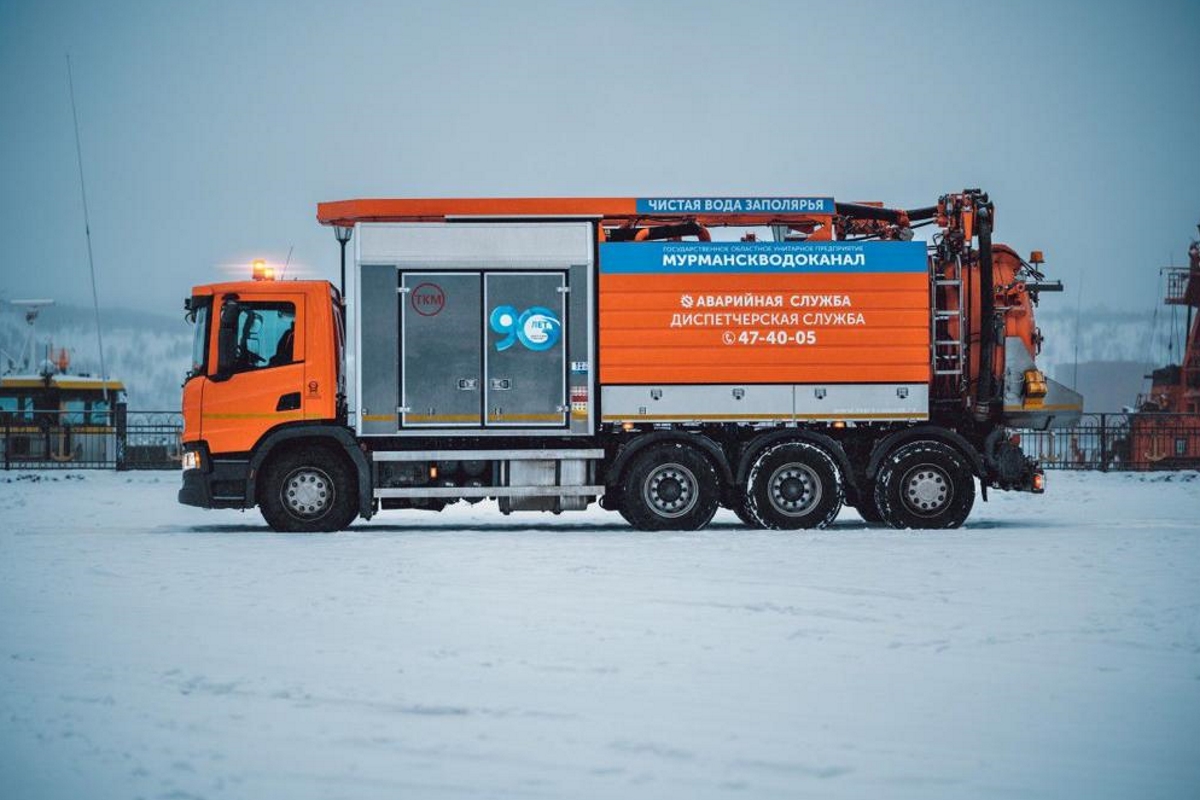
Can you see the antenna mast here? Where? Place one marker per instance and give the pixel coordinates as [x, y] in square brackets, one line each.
[87, 228]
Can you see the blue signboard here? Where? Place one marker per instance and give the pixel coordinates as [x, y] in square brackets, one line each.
[698, 257]
[735, 205]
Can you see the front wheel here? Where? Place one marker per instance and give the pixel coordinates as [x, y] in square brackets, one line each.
[925, 484]
[307, 490]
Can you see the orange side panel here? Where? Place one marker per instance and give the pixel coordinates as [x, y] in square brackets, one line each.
[780, 356]
[675, 372]
[764, 328]
[738, 283]
[830, 337]
[631, 302]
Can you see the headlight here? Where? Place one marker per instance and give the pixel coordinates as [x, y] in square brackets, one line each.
[191, 459]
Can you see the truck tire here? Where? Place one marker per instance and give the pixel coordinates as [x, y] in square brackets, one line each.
[743, 513]
[925, 485]
[794, 485]
[308, 489]
[866, 507]
[670, 487]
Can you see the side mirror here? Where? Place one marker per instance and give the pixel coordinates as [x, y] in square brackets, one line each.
[227, 338]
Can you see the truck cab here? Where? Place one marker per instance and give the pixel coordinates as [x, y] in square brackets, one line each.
[266, 359]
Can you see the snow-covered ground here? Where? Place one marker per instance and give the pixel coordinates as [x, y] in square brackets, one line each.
[1050, 649]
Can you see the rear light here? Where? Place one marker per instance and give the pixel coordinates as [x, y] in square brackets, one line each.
[579, 400]
[1039, 482]
[1035, 384]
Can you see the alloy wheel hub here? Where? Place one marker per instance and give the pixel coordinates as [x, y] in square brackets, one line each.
[670, 490]
[795, 489]
[307, 492]
[927, 491]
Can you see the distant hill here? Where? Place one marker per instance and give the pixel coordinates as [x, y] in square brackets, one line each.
[149, 353]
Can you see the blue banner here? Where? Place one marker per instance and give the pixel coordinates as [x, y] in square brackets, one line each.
[735, 205]
[751, 257]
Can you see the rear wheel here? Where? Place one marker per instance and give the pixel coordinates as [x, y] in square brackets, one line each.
[925, 484]
[794, 485]
[670, 486]
[307, 489]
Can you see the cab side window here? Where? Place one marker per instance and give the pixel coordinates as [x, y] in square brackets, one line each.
[266, 335]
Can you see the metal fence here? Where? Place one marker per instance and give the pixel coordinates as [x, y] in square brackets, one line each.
[1137, 441]
[117, 439]
[124, 440]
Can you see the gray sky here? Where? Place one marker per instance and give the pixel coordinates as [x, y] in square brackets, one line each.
[211, 130]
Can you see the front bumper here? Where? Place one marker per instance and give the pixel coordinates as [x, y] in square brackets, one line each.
[216, 483]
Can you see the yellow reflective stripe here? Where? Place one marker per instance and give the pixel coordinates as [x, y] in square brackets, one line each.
[271, 415]
[524, 417]
[378, 417]
[34, 383]
[89, 385]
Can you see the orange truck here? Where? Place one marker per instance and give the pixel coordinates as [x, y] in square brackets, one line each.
[665, 356]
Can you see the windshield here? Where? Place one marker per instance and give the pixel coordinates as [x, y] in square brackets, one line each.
[198, 316]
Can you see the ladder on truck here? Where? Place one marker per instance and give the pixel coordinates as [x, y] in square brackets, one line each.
[949, 349]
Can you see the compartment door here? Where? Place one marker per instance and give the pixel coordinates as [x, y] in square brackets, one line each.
[441, 343]
[525, 355]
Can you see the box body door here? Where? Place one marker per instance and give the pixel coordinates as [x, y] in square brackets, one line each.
[525, 356]
[441, 343]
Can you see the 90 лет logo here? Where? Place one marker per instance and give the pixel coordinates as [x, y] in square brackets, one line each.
[538, 328]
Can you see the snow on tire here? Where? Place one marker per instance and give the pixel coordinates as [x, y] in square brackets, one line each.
[925, 485]
[794, 485]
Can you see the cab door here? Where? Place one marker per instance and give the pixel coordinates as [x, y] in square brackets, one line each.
[257, 379]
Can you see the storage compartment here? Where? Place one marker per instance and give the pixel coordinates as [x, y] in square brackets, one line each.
[476, 329]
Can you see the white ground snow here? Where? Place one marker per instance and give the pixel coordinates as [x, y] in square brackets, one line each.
[1050, 649]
